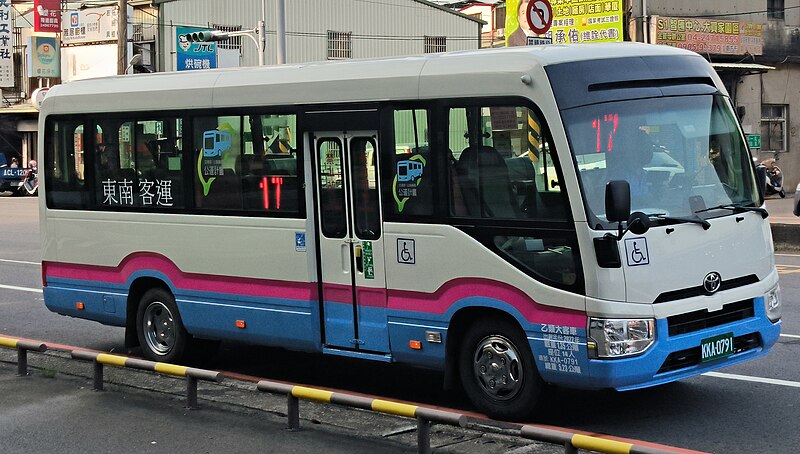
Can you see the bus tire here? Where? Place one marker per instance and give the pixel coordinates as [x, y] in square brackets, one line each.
[497, 370]
[159, 327]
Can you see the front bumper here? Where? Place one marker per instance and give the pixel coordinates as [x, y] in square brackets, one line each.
[670, 358]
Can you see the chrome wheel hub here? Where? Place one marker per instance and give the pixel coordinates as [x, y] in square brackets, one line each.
[497, 367]
[159, 328]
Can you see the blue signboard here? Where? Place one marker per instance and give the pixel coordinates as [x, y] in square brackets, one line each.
[193, 56]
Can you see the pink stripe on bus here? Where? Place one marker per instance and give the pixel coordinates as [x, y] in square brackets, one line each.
[438, 302]
[456, 290]
[143, 261]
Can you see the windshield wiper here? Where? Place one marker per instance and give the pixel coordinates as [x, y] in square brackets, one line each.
[737, 209]
[694, 220]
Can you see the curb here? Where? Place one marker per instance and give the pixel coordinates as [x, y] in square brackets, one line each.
[786, 237]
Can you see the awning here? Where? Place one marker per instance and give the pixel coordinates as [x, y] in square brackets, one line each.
[25, 108]
[742, 68]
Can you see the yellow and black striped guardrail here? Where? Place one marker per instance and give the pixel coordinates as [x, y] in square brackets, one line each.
[191, 374]
[572, 442]
[22, 347]
[424, 416]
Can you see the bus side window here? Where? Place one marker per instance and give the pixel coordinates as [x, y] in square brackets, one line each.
[65, 172]
[269, 168]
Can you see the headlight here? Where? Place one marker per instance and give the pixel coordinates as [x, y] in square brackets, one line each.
[616, 338]
[772, 303]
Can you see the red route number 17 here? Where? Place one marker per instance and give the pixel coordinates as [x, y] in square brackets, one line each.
[605, 127]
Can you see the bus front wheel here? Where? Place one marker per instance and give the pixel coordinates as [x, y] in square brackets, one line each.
[497, 370]
[159, 327]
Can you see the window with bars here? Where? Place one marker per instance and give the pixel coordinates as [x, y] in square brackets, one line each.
[234, 42]
[775, 9]
[773, 127]
[435, 44]
[340, 45]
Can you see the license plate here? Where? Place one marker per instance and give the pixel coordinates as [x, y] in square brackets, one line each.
[716, 347]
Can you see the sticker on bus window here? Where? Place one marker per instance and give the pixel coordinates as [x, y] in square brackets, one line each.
[407, 178]
[149, 192]
[209, 161]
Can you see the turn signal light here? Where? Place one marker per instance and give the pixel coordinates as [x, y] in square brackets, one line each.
[415, 345]
[241, 324]
[79, 305]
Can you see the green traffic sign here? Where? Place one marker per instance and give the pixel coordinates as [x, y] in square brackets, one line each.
[754, 140]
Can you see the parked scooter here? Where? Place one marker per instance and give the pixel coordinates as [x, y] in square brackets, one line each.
[30, 182]
[774, 182]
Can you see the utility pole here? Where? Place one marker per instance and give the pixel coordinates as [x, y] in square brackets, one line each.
[280, 17]
[122, 37]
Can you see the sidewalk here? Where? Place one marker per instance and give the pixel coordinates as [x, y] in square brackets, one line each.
[55, 409]
[785, 225]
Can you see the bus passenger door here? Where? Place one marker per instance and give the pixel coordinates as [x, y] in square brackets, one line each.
[351, 244]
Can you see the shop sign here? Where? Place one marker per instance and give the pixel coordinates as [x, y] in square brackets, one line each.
[572, 22]
[708, 36]
[44, 58]
[47, 16]
[192, 56]
[6, 45]
[90, 25]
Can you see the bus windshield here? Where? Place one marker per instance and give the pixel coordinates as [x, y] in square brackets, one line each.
[681, 156]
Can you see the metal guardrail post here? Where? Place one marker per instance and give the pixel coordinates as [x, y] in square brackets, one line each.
[191, 374]
[22, 362]
[97, 377]
[293, 411]
[425, 416]
[22, 352]
[191, 393]
[423, 436]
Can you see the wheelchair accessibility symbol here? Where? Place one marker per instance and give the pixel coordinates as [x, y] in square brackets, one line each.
[405, 251]
[636, 251]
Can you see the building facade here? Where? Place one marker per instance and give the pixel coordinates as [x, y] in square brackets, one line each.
[315, 31]
[759, 62]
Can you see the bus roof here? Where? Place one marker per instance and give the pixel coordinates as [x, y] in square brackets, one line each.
[490, 72]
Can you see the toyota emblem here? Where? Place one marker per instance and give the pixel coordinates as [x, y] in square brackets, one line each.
[712, 282]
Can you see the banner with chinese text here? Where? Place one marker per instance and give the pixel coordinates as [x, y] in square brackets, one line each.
[43, 58]
[574, 21]
[6, 45]
[712, 36]
[193, 56]
[47, 16]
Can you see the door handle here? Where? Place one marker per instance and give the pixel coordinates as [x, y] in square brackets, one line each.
[359, 258]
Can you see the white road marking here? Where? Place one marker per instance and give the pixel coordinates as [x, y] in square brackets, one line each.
[770, 381]
[21, 262]
[21, 289]
[793, 336]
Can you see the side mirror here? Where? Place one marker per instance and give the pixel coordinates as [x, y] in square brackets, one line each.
[796, 210]
[618, 201]
[740, 112]
[639, 223]
[761, 179]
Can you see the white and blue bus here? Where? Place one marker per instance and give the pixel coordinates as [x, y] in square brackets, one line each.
[584, 216]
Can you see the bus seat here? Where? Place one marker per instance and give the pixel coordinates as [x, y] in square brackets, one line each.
[486, 184]
[459, 207]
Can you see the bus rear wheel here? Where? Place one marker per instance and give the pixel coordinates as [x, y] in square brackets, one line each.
[159, 327]
[497, 370]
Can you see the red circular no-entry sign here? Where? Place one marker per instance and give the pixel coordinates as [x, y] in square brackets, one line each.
[540, 16]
